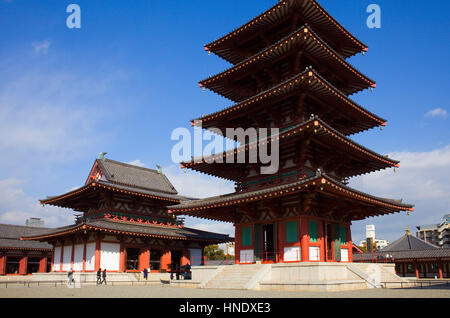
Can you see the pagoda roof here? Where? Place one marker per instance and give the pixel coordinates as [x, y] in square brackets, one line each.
[311, 11]
[407, 247]
[318, 130]
[311, 43]
[322, 182]
[78, 199]
[118, 227]
[408, 243]
[307, 81]
[126, 174]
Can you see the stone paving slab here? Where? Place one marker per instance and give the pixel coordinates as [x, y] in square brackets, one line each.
[158, 291]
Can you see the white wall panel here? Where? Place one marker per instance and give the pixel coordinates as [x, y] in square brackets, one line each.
[57, 259]
[78, 257]
[110, 256]
[67, 257]
[246, 256]
[344, 255]
[90, 256]
[314, 253]
[292, 254]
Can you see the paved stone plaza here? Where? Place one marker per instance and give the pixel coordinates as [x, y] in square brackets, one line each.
[162, 291]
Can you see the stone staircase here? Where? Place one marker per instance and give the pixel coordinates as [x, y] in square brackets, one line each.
[375, 274]
[237, 276]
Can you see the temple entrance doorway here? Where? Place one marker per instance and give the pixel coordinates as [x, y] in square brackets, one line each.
[132, 260]
[328, 242]
[269, 252]
[175, 260]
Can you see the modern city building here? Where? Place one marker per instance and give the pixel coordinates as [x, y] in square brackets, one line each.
[437, 234]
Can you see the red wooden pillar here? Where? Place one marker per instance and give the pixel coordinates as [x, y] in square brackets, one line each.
[23, 265]
[166, 260]
[416, 268]
[84, 256]
[349, 242]
[122, 258]
[97, 253]
[304, 239]
[203, 256]
[144, 258]
[43, 265]
[185, 257]
[2, 265]
[321, 240]
[72, 257]
[61, 260]
[237, 244]
[440, 270]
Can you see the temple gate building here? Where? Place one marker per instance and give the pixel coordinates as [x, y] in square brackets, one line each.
[124, 225]
[290, 71]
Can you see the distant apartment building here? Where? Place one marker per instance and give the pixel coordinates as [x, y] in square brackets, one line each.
[372, 243]
[437, 234]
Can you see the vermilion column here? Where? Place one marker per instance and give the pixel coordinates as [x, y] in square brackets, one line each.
[2, 265]
[165, 260]
[304, 240]
[23, 265]
[440, 270]
[43, 265]
[417, 270]
[144, 258]
[97, 253]
[349, 242]
[84, 256]
[185, 257]
[122, 258]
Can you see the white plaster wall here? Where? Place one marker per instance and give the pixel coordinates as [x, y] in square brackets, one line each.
[292, 254]
[314, 253]
[110, 256]
[90, 256]
[57, 259]
[67, 257]
[78, 257]
[344, 255]
[246, 256]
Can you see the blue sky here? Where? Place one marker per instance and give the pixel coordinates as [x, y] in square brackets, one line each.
[130, 76]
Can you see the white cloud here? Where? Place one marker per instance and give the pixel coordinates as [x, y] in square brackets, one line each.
[49, 115]
[197, 185]
[210, 226]
[16, 207]
[137, 162]
[422, 180]
[41, 47]
[437, 112]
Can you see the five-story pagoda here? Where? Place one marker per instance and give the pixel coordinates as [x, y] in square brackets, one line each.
[289, 71]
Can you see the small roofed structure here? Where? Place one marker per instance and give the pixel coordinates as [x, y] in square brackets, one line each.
[124, 224]
[19, 257]
[413, 257]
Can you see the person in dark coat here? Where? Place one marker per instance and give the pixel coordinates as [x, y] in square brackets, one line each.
[99, 278]
[104, 276]
[145, 273]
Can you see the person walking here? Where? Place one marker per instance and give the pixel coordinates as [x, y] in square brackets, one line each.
[104, 276]
[99, 278]
[70, 277]
[145, 273]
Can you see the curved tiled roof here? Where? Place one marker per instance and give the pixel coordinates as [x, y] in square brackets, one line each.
[10, 237]
[123, 227]
[136, 177]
